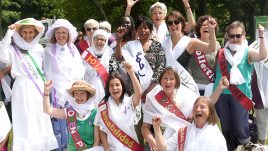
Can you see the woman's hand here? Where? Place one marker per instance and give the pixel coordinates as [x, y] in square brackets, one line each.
[224, 83]
[12, 26]
[47, 86]
[120, 32]
[261, 30]
[212, 23]
[128, 67]
[156, 121]
[131, 3]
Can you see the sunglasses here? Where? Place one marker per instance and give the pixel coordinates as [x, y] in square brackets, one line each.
[235, 35]
[91, 29]
[170, 22]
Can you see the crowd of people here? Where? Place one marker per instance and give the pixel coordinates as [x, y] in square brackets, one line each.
[161, 82]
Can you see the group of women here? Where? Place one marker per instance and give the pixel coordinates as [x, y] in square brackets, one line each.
[114, 95]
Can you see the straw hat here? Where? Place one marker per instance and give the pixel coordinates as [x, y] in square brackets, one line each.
[82, 85]
[30, 21]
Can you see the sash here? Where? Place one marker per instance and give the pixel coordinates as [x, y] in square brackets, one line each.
[92, 61]
[172, 55]
[133, 52]
[82, 45]
[204, 66]
[71, 118]
[167, 103]
[238, 94]
[181, 138]
[29, 69]
[116, 131]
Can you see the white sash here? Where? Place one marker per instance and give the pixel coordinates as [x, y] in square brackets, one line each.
[171, 60]
[4, 122]
[261, 69]
[133, 52]
[161, 32]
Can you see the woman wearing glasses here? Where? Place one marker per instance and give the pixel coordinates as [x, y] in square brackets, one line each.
[236, 62]
[62, 65]
[178, 47]
[90, 26]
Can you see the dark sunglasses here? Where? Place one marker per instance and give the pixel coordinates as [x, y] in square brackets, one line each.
[233, 36]
[170, 22]
[91, 29]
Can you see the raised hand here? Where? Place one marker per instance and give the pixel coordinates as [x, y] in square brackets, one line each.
[120, 32]
[224, 83]
[261, 30]
[131, 3]
[47, 86]
[156, 121]
[12, 26]
[212, 23]
[128, 67]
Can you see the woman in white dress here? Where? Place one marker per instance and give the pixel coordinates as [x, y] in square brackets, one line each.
[174, 102]
[62, 65]
[32, 129]
[123, 112]
[203, 134]
[96, 62]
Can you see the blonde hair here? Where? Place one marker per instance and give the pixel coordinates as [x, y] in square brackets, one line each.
[106, 26]
[91, 22]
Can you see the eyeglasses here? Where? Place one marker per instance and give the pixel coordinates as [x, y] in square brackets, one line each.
[170, 22]
[235, 35]
[91, 29]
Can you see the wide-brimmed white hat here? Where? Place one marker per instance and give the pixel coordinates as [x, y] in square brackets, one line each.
[30, 21]
[62, 23]
[82, 85]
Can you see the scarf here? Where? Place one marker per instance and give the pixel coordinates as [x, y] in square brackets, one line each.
[82, 109]
[236, 76]
[21, 43]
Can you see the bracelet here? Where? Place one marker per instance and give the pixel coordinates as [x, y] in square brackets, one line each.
[188, 7]
[45, 94]
[261, 37]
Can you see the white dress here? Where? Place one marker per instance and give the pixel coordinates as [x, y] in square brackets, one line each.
[209, 138]
[125, 117]
[32, 129]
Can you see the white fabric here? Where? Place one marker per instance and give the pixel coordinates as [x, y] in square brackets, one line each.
[161, 32]
[184, 99]
[32, 129]
[261, 69]
[125, 117]
[63, 68]
[4, 122]
[133, 52]
[262, 123]
[96, 148]
[105, 35]
[62, 23]
[6, 84]
[209, 90]
[171, 60]
[82, 109]
[91, 75]
[236, 76]
[209, 138]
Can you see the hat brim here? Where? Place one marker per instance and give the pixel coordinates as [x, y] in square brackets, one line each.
[91, 91]
[29, 22]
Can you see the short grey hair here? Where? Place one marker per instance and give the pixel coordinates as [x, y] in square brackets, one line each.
[91, 22]
[159, 5]
[106, 26]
